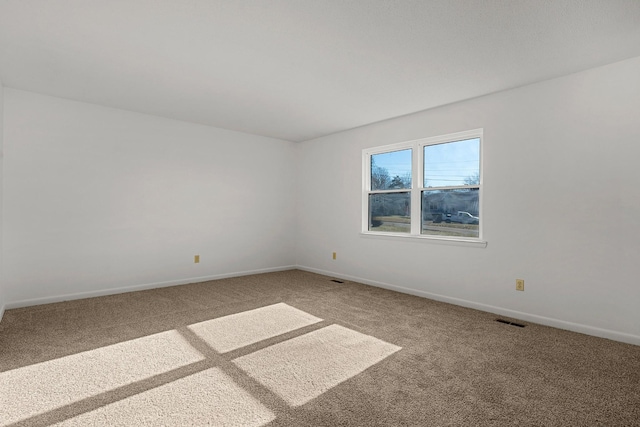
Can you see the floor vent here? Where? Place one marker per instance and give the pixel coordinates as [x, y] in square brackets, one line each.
[506, 322]
[337, 281]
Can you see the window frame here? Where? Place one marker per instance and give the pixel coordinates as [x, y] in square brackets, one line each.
[417, 188]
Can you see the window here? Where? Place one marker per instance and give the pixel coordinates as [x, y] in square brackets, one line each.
[427, 188]
[390, 196]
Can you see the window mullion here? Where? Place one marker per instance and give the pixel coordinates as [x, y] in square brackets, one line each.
[366, 187]
[416, 184]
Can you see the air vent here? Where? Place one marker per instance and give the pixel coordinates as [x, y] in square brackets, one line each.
[337, 281]
[506, 322]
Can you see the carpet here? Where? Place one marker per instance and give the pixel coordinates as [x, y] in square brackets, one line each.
[294, 348]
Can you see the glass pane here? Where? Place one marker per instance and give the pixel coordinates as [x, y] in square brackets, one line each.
[451, 212]
[390, 212]
[390, 171]
[452, 163]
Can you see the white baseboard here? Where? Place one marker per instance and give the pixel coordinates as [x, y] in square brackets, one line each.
[121, 290]
[547, 321]
[1, 312]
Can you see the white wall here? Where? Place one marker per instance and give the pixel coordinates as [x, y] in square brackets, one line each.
[99, 199]
[2, 299]
[561, 205]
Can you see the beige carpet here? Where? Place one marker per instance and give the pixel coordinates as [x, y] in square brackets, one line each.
[296, 349]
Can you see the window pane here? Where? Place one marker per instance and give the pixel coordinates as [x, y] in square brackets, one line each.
[390, 212]
[451, 212]
[452, 163]
[391, 170]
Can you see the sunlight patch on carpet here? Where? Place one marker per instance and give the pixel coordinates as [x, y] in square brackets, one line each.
[238, 330]
[39, 388]
[303, 368]
[206, 398]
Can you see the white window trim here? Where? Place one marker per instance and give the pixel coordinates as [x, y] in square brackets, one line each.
[416, 189]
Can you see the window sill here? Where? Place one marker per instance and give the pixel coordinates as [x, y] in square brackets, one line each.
[453, 241]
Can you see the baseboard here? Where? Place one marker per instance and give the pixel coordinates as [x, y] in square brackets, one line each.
[133, 288]
[1, 311]
[533, 318]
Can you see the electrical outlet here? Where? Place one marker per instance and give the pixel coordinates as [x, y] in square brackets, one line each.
[196, 259]
[334, 255]
[519, 284]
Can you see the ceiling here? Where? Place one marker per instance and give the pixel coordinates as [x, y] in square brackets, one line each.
[301, 69]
